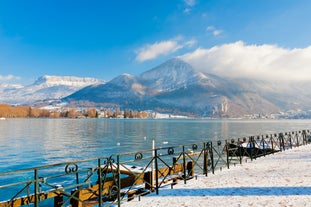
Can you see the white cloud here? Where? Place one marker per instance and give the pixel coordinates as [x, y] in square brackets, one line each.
[191, 43]
[187, 10]
[265, 62]
[152, 51]
[190, 2]
[8, 78]
[213, 30]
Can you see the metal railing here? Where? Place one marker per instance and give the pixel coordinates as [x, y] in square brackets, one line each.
[107, 181]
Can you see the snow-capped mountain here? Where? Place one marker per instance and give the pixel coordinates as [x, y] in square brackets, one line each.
[169, 76]
[44, 88]
[176, 87]
[173, 87]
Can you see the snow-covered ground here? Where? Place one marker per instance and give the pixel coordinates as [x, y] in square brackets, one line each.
[282, 179]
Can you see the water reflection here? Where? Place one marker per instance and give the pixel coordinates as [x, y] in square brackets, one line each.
[32, 142]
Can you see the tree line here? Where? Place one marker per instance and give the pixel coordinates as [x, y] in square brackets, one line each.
[9, 111]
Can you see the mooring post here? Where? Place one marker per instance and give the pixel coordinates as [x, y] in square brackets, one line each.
[290, 140]
[58, 201]
[190, 168]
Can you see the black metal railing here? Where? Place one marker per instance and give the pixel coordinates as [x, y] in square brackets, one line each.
[107, 181]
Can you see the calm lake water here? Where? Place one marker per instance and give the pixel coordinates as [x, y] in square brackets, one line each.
[28, 143]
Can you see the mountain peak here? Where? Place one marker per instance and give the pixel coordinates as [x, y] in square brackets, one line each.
[171, 75]
[172, 66]
[45, 87]
[64, 80]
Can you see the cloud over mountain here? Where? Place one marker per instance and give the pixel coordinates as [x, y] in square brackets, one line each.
[152, 51]
[261, 62]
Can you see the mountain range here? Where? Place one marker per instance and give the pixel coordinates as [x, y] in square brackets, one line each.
[173, 87]
[45, 88]
[176, 87]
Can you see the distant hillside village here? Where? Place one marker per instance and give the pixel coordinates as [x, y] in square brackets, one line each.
[9, 111]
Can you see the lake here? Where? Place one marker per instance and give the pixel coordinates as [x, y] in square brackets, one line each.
[28, 143]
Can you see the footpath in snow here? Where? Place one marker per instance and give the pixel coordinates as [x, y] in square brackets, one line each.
[281, 179]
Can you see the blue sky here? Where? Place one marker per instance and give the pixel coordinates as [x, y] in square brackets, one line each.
[103, 39]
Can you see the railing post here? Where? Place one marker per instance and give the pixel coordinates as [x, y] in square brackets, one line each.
[297, 140]
[156, 171]
[205, 160]
[184, 163]
[251, 146]
[280, 141]
[282, 144]
[240, 150]
[119, 181]
[264, 147]
[227, 153]
[36, 188]
[212, 157]
[271, 140]
[100, 190]
[304, 137]
[290, 139]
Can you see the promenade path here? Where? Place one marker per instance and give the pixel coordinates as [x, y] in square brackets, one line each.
[282, 179]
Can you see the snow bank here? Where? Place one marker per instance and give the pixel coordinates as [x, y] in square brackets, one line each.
[282, 179]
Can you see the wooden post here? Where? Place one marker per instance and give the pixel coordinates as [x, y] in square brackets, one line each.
[148, 180]
[58, 201]
[74, 201]
[190, 168]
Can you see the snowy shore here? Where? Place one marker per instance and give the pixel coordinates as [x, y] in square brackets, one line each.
[282, 179]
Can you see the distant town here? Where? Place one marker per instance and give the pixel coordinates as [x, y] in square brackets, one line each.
[10, 111]
[73, 112]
